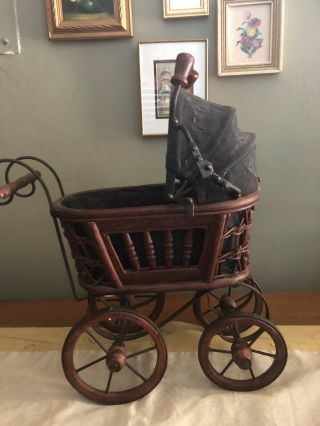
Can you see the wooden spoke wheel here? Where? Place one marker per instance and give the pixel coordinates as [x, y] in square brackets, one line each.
[242, 365]
[114, 371]
[149, 304]
[217, 303]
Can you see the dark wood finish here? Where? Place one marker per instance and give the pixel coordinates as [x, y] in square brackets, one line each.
[211, 305]
[178, 272]
[187, 249]
[102, 250]
[168, 247]
[217, 233]
[131, 252]
[287, 308]
[150, 250]
[115, 357]
[242, 353]
[12, 187]
[183, 71]
[167, 210]
[150, 305]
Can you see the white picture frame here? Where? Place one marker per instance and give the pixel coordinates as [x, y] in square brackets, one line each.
[153, 58]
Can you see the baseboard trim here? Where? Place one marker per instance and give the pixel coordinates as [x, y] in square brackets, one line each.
[287, 308]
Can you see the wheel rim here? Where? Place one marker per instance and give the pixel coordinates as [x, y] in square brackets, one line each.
[151, 304]
[111, 372]
[242, 365]
[215, 304]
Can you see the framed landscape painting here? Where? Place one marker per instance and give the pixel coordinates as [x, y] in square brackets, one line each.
[250, 35]
[157, 63]
[88, 19]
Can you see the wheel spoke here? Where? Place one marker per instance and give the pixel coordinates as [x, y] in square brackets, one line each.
[252, 374]
[136, 372]
[226, 367]
[259, 334]
[263, 353]
[124, 325]
[91, 363]
[247, 295]
[213, 295]
[220, 351]
[109, 381]
[236, 333]
[213, 309]
[141, 352]
[97, 341]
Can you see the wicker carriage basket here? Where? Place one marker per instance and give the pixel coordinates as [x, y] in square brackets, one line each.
[127, 239]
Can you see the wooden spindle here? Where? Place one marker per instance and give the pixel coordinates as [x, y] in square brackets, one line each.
[149, 249]
[187, 248]
[168, 248]
[131, 252]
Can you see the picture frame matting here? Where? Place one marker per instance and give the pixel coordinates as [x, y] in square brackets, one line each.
[250, 36]
[156, 63]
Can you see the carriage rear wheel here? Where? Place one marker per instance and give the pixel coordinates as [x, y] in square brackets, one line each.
[246, 297]
[114, 371]
[149, 304]
[242, 365]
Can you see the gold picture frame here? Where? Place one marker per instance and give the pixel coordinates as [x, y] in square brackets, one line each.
[88, 19]
[250, 36]
[174, 9]
[156, 64]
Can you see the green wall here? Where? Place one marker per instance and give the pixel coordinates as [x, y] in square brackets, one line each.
[77, 105]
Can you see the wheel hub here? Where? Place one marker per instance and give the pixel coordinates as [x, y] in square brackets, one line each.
[242, 355]
[116, 358]
[227, 303]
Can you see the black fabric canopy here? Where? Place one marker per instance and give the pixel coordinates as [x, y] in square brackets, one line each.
[214, 129]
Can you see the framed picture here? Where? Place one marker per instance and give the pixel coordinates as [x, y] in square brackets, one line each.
[157, 62]
[88, 19]
[185, 8]
[250, 34]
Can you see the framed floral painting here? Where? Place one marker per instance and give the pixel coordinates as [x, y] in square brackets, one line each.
[250, 35]
[157, 64]
[88, 19]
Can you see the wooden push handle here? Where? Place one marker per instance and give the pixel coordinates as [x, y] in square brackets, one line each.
[184, 73]
[12, 187]
[192, 78]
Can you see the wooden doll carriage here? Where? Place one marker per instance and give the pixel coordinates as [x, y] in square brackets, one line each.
[133, 245]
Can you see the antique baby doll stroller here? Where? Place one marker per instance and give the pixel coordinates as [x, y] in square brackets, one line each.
[133, 245]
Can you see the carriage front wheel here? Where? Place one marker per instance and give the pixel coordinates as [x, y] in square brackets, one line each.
[242, 364]
[114, 371]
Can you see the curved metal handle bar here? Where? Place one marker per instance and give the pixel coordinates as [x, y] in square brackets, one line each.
[44, 163]
[11, 162]
[12, 188]
[21, 163]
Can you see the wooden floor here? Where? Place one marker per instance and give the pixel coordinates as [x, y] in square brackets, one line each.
[294, 308]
